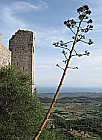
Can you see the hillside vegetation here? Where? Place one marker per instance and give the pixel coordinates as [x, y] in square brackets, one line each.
[21, 113]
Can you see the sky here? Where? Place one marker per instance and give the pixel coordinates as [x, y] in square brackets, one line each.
[46, 19]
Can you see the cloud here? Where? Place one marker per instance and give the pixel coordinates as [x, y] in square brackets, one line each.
[9, 12]
[51, 34]
[46, 56]
[22, 6]
[97, 12]
[10, 20]
[9, 24]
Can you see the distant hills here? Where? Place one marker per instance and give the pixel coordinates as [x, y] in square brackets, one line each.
[70, 92]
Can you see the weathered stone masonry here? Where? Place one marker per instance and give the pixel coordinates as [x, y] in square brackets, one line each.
[21, 46]
[20, 53]
[5, 55]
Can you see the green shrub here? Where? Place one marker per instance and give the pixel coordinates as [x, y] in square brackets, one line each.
[21, 113]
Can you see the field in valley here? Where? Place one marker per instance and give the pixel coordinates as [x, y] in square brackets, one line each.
[78, 118]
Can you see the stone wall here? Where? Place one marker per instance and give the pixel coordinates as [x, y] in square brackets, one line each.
[0, 41]
[21, 46]
[5, 55]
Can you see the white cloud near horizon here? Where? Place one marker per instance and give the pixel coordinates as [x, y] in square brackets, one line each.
[88, 74]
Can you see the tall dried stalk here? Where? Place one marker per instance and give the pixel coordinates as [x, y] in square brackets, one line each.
[83, 13]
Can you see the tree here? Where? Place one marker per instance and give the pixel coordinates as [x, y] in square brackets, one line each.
[21, 113]
[79, 29]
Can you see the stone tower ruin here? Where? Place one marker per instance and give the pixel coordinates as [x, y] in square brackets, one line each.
[21, 46]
